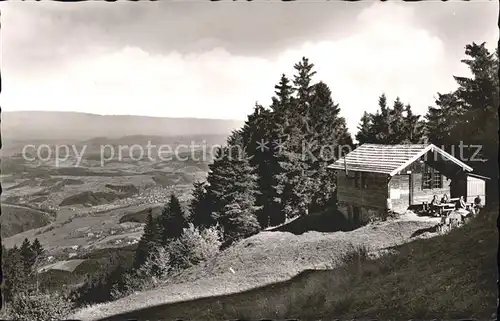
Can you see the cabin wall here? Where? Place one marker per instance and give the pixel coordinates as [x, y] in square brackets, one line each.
[369, 199]
[425, 195]
[399, 192]
[475, 187]
[418, 194]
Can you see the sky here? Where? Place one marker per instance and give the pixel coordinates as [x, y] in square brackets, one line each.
[217, 59]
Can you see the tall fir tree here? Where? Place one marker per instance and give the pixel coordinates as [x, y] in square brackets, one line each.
[324, 117]
[329, 133]
[232, 189]
[440, 120]
[283, 93]
[149, 240]
[238, 219]
[27, 256]
[296, 186]
[365, 129]
[268, 168]
[37, 249]
[381, 122]
[15, 278]
[200, 210]
[172, 220]
[414, 127]
[470, 114]
[397, 123]
[304, 88]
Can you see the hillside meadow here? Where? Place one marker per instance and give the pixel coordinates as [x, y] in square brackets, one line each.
[425, 279]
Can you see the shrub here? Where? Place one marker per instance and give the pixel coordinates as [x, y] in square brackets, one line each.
[41, 307]
[194, 246]
[148, 276]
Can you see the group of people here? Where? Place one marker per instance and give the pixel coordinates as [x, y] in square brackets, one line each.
[460, 203]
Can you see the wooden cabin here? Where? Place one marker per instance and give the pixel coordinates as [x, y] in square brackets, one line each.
[375, 178]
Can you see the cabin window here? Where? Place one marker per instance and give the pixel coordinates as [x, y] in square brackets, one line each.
[437, 181]
[431, 178]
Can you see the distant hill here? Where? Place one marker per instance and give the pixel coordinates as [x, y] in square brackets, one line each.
[17, 219]
[49, 125]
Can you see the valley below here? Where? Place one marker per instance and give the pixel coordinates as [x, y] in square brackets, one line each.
[75, 206]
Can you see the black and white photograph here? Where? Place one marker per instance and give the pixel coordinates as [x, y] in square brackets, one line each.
[249, 160]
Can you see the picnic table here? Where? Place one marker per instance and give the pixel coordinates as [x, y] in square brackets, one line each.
[444, 207]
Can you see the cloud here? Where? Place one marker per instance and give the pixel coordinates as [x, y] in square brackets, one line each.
[387, 52]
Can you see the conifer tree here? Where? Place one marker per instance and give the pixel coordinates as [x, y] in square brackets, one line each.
[238, 219]
[232, 189]
[397, 123]
[300, 118]
[200, 207]
[172, 220]
[295, 184]
[296, 187]
[27, 256]
[414, 127]
[440, 120]
[303, 80]
[37, 248]
[323, 117]
[148, 241]
[266, 158]
[15, 278]
[364, 134]
[283, 91]
[330, 133]
[381, 122]
[470, 113]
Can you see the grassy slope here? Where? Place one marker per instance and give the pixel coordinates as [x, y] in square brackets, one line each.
[449, 276]
[265, 258]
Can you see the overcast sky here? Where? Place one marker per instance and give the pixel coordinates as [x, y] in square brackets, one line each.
[215, 60]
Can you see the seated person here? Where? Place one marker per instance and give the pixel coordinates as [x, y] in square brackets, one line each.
[477, 202]
[477, 205]
[433, 203]
[445, 199]
[461, 203]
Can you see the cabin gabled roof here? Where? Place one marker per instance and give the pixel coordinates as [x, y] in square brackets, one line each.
[389, 159]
